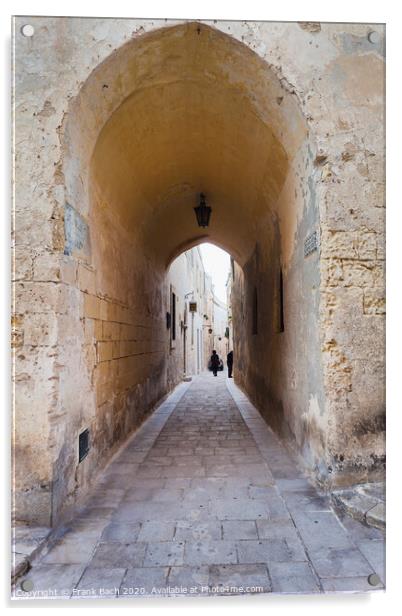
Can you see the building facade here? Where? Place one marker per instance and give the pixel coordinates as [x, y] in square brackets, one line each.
[191, 315]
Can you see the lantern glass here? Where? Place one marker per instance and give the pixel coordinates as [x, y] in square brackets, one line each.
[203, 212]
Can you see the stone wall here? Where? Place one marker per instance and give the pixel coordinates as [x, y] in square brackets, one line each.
[115, 361]
[276, 332]
[104, 181]
[220, 324]
[324, 388]
[190, 284]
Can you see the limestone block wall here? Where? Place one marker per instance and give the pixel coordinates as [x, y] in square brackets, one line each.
[113, 359]
[220, 324]
[90, 297]
[278, 356]
[187, 276]
[209, 321]
[196, 332]
[324, 388]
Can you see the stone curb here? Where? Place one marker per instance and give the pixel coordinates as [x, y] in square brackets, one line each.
[22, 554]
[363, 507]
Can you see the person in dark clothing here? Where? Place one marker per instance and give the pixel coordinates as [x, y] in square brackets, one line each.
[215, 361]
[229, 361]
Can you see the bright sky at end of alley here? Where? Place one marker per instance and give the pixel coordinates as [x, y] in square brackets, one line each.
[217, 265]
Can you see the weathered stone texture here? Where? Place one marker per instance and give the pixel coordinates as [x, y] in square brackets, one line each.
[282, 124]
[219, 533]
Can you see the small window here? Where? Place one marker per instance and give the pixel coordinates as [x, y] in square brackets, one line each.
[255, 312]
[233, 267]
[281, 309]
[83, 445]
[173, 315]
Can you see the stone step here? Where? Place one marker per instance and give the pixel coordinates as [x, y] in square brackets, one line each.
[364, 502]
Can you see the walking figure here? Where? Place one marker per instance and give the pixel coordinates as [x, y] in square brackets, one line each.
[229, 361]
[215, 362]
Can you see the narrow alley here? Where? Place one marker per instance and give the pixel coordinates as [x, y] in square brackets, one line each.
[204, 499]
[146, 143]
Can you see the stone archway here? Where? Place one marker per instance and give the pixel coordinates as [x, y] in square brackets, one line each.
[190, 110]
[173, 112]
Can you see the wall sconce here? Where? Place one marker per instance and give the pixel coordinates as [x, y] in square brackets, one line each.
[203, 212]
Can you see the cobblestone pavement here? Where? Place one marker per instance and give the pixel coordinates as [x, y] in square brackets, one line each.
[205, 500]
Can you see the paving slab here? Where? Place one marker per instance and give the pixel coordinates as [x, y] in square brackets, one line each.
[206, 500]
[26, 539]
[27, 542]
[236, 509]
[99, 583]
[190, 580]
[340, 562]
[141, 582]
[239, 579]
[139, 494]
[288, 485]
[118, 555]
[321, 529]
[207, 552]
[276, 529]
[239, 529]
[198, 531]
[152, 530]
[177, 482]
[349, 584]
[71, 550]
[50, 581]
[293, 577]
[120, 533]
[306, 500]
[164, 553]
[374, 551]
[270, 550]
[361, 532]
[165, 495]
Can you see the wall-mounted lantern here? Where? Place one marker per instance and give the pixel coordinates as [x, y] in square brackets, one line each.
[203, 212]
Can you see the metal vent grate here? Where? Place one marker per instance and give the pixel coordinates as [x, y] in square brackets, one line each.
[83, 445]
[311, 244]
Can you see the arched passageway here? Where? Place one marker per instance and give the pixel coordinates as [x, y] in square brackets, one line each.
[200, 322]
[181, 111]
[172, 113]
